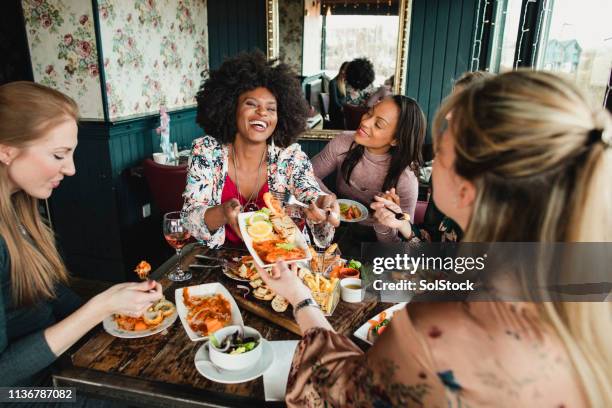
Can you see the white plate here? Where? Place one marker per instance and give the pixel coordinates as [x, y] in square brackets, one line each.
[205, 289]
[110, 325]
[362, 208]
[300, 242]
[202, 363]
[362, 331]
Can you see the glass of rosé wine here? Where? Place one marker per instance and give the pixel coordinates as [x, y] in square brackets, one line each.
[176, 235]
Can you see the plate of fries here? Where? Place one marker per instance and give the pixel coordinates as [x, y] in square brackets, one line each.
[325, 291]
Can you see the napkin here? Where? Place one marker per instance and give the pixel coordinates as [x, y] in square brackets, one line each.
[275, 377]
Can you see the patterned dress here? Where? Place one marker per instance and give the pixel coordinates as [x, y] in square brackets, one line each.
[479, 354]
[288, 168]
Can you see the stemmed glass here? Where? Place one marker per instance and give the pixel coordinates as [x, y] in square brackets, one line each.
[177, 236]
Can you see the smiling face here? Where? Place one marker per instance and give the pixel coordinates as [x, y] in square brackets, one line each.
[39, 167]
[256, 115]
[377, 128]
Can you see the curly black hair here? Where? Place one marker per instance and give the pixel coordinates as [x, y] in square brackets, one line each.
[218, 97]
[360, 73]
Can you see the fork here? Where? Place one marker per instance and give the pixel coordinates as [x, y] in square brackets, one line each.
[288, 199]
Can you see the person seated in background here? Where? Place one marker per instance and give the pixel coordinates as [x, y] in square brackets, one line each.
[337, 98]
[524, 157]
[359, 78]
[40, 317]
[436, 227]
[382, 92]
[252, 111]
[383, 154]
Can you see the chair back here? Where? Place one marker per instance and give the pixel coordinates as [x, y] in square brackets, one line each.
[352, 116]
[324, 103]
[167, 184]
[419, 212]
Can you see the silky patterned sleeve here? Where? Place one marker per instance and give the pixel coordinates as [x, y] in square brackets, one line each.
[330, 370]
[304, 185]
[198, 195]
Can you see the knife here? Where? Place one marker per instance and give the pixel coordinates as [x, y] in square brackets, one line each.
[209, 258]
[198, 266]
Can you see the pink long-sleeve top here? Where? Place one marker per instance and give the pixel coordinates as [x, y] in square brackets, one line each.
[366, 179]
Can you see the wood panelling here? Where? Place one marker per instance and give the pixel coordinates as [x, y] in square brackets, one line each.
[235, 26]
[441, 35]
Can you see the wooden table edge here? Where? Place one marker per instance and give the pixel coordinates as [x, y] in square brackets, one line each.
[147, 393]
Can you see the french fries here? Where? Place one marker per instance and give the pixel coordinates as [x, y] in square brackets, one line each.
[323, 290]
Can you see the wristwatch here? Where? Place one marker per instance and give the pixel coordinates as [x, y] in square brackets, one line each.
[305, 303]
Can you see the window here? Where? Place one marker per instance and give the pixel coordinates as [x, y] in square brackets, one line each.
[506, 34]
[578, 43]
[573, 39]
[353, 36]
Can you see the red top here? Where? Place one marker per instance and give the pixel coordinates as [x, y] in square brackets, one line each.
[230, 191]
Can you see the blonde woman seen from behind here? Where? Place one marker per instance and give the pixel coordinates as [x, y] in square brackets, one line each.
[524, 157]
[40, 317]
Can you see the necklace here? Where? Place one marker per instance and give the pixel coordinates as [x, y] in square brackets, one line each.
[249, 205]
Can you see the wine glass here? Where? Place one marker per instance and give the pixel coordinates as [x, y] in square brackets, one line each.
[297, 215]
[177, 236]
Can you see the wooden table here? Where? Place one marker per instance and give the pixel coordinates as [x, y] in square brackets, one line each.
[159, 370]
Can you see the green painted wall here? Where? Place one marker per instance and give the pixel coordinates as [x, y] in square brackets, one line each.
[235, 26]
[441, 35]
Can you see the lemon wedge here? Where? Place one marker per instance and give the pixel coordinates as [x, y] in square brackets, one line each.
[259, 230]
[256, 218]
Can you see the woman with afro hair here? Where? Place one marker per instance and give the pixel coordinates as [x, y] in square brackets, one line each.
[252, 111]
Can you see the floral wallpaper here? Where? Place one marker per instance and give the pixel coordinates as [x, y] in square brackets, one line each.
[63, 50]
[154, 52]
[291, 29]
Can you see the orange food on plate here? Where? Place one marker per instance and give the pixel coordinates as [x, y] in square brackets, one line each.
[274, 250]
[351, 212]
[207, 314]
[152, 317]
[129, 323]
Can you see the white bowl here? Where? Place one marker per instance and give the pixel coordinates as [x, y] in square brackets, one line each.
[351, 295]
[235, 362]
[160, 158]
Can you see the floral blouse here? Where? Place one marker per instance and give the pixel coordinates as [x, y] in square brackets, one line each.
[288, 168]
[443, 355]
[358, 97]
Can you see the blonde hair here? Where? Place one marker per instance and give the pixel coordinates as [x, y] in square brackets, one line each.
[469, 77]
[27, 112]
[535, 150]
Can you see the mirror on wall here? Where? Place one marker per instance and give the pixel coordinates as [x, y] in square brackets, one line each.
[315, 37]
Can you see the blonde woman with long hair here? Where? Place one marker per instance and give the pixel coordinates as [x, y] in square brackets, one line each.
[40, 317]
[523, 157]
